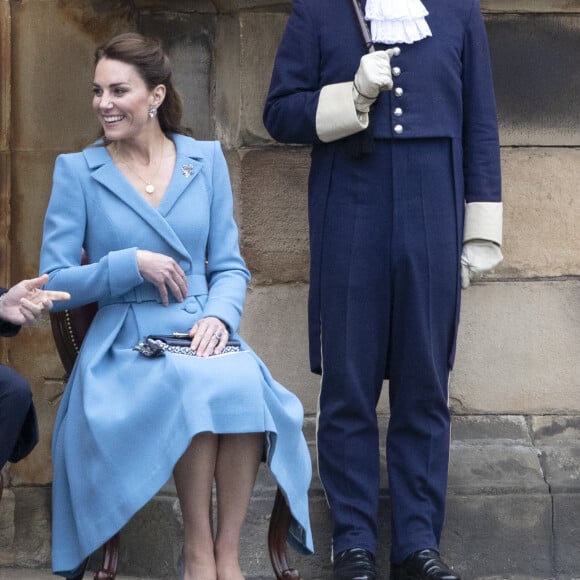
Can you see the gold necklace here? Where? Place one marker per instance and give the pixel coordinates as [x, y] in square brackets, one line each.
[149, 187]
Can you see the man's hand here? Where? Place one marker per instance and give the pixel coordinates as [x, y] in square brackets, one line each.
[372, 77]
[478, 257]
[25, 302]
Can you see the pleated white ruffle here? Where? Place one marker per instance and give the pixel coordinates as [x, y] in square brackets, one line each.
[394, 21]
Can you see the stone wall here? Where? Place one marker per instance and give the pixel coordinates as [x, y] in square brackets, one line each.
[518, 351]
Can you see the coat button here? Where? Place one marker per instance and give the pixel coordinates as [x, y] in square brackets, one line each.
[396, 51]
[398, 112]
[396, 71]
[190, 306]
[398, 129]
[399, 92]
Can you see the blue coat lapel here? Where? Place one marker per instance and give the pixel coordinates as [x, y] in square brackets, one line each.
[187, 170]
[188, 165]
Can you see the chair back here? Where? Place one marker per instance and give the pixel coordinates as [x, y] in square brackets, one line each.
[69, 328]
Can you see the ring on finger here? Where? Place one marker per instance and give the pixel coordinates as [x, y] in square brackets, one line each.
[218, 334]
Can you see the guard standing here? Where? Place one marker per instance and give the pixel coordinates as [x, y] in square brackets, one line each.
[404, 209]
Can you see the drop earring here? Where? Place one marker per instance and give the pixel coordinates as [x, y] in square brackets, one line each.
[152, 112]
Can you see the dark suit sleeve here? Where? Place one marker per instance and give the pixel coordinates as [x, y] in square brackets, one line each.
[7, 328]
[481, 153]
[290, 110]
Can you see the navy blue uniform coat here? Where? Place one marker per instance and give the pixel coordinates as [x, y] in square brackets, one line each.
[448, 93]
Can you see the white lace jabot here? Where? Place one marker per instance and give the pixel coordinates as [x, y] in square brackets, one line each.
[395, 21]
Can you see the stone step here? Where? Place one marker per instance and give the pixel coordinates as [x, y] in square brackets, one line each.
[513, 510]
[33, 574]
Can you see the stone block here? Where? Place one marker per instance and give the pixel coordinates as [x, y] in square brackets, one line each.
[151, 541]
[245, 48]
[499, 505]
[260, 37]
[495, 469]
[52, 80]
[558, 439]
[566, 534]
[228, 95]
[200, 6]
[517, 349]
[499, 429]
[188, 39]
[555, 429]
[25, 524]
[31, 186]
[541, 212]
[530, 111]
[275, 214]
[274, 324]
[529, 6]
[7, 526]
[492, 455]
[562, 467]
[489, 535]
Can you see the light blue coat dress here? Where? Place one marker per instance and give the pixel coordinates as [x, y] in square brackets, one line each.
[125, 420]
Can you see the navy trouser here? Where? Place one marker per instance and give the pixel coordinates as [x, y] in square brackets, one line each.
[15, 407]
[389, 302]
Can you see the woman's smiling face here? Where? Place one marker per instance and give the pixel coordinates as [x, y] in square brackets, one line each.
[121, 99]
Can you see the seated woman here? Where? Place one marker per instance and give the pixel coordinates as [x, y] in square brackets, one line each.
[153, 210]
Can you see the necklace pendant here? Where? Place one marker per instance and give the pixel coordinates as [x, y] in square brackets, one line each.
[150, 188]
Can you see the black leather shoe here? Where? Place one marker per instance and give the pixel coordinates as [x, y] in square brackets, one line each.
[423, 565]
[354, 564]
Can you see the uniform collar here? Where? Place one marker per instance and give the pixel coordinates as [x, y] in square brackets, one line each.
[397, 21]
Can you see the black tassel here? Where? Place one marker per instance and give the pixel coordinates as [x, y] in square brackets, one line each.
[361, 143]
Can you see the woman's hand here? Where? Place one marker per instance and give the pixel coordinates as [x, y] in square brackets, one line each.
[163, 272]
[209, 336]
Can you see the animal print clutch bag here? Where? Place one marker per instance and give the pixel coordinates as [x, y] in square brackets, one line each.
[156, 345]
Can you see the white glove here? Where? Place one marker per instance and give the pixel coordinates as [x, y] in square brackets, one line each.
[478, 257]
[372, 77]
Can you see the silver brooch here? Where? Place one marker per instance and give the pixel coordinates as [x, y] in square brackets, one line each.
[187, 170]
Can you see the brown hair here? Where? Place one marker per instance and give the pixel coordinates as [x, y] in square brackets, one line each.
[154, 67]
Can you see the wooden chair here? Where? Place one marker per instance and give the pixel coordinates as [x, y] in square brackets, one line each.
[69, 328]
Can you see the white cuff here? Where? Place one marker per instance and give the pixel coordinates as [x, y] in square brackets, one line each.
[483, 221]
[336, 116]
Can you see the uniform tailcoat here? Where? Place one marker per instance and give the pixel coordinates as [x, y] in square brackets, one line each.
[386, 231]
[125, 420]
[447, 92]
